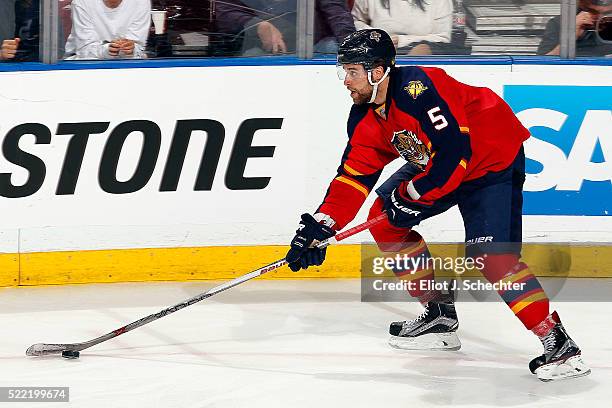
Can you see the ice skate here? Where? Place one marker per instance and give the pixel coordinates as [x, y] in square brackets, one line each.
[434, 329]
[562, 357]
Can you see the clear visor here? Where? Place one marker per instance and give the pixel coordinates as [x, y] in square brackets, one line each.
[353, 71]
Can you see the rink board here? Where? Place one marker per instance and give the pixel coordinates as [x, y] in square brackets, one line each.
[94, 173]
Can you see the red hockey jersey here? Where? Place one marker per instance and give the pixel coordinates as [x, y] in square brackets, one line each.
[454, 132]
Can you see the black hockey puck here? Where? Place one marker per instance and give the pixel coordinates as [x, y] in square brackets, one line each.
[70, 354]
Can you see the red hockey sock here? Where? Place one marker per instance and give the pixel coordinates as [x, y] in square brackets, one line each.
[413, 251]
[522, 291]
[416, 271]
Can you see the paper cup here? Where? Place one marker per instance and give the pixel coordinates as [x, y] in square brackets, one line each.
[159, 21]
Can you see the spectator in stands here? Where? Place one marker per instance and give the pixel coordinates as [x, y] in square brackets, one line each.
[415, 26]
[19, 27]
[587, 45]
[104, 29]
[27, 18]
[8, 49]
[270, 26]
[7, 30]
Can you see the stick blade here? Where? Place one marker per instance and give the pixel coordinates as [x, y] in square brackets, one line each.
[42, 349]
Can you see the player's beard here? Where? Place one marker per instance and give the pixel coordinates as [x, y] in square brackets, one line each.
[361, 97]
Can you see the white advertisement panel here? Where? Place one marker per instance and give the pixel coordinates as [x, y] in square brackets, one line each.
[170, 157]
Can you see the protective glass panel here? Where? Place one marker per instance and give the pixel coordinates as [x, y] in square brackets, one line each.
[181, 28]
[594, 28]
[263, 27]
[460, 27]
[135, 29]
[19, 30]
[530, 27]
[253, 28]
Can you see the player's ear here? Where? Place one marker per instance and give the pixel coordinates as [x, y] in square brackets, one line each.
[377, 73]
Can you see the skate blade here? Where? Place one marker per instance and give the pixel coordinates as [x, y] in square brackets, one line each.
[573, 367]
[431, 341]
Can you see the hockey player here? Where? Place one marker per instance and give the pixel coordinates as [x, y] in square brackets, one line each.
[463, 146]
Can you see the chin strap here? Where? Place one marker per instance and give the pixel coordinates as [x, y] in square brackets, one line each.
[375, 84]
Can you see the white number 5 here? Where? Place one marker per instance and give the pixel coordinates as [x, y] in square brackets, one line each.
[439, 121]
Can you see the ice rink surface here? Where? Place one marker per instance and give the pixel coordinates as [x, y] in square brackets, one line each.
[300, 343]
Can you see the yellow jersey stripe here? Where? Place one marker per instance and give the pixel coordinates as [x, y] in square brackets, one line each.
[352, 171]
[353, 184]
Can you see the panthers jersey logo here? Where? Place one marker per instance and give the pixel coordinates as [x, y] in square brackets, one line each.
[415, 88]
[411, 148]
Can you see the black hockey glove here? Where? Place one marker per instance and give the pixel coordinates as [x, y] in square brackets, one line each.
[402, 212]
[301, 256]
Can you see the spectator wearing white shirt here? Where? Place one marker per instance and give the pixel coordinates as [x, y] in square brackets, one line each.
[412, 24]
[104, 29]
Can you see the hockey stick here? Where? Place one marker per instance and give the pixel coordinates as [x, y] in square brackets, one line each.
[43, 349]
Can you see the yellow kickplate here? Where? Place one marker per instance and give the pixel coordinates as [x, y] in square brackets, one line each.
[177, 264]
[9, 269]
